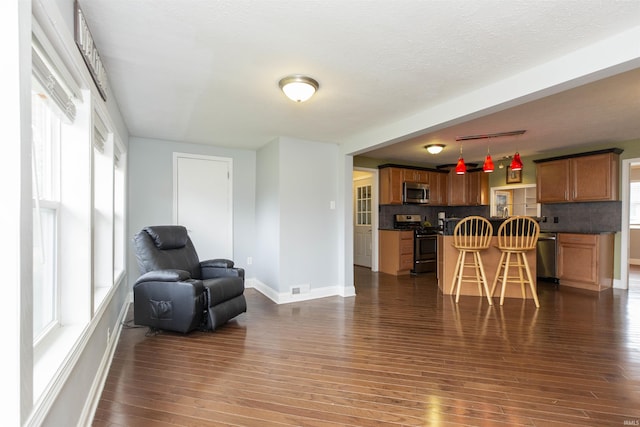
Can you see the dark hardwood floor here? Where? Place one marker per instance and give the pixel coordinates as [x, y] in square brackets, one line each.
[399, 353]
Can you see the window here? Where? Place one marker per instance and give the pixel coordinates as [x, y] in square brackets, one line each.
[634, 203]
[46, 128]
[102, 179]
[119, 242]
[363, 205]
[79, 183]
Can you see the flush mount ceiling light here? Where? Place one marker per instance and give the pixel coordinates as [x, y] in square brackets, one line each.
[298, 88]
[434, 148]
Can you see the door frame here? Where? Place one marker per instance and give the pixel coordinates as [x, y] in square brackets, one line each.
[374, 213]
[624, 234]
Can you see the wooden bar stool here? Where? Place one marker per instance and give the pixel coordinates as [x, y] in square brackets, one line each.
[471, 235]
[516, 236]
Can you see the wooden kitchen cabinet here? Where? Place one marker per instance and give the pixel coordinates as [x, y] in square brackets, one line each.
[469, 189]
[391, 180]
[416, 175]
[477, 188]
[396, 252]
[587, 177]
[438, 188]
[585, 260]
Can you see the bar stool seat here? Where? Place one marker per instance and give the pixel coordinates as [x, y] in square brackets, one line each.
[471, 236]
[516, 236]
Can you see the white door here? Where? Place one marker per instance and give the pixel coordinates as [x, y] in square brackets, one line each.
[202, 202]
[362, 225]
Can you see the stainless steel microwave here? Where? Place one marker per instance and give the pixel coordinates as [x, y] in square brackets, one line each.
[415, 193]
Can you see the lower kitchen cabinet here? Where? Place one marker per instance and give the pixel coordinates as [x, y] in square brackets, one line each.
[586, 260]
[396, 252]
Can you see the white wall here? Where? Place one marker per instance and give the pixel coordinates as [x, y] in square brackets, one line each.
[309, 226]
[151, 192]
[299, 232]
[267, 254]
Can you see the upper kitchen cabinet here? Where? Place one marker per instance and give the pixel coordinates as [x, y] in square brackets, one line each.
[586, 177]
[469, 189]
[416, 175]
[391, 179]
[438, 188]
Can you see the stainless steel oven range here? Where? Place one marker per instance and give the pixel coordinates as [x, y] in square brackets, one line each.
[425, 242]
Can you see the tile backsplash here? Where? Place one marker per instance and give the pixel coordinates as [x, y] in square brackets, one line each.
[590, 217]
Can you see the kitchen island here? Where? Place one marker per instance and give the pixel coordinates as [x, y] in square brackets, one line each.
[448, 256]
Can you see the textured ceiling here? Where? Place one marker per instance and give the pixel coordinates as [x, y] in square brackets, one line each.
[207, 71]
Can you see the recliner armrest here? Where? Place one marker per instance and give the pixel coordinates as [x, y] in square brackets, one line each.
[218, 262]
[215, 272]
[164, 276]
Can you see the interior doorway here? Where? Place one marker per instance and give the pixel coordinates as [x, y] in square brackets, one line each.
[630, 236]
[365, 218]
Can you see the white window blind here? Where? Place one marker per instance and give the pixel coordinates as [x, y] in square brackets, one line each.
[100, 133]
[51, 74]
[116, 156]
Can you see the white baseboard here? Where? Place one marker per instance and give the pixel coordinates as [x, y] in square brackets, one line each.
[288, 297]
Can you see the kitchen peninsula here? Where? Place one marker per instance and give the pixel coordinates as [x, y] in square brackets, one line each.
[448, 255]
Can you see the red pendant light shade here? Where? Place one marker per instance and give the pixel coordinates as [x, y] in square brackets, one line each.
[461, 168]
[488, 164]
[516, 164]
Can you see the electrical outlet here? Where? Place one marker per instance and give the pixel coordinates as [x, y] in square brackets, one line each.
[108, 335]
[249, 260]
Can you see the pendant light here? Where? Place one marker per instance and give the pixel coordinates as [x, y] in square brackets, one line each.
[516, 163]
[461, 168]
[488, 163]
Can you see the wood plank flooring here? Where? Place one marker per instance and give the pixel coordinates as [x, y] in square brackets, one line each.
[399, 354]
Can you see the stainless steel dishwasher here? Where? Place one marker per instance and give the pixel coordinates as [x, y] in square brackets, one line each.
[546, 257]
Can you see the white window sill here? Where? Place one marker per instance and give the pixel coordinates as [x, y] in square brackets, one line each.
[50, 356]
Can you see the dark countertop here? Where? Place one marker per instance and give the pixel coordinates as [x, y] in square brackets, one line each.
[450, 224]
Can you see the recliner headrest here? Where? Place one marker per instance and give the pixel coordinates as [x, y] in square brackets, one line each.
[168, 236]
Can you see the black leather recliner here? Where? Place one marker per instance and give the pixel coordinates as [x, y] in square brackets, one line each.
[178, 292]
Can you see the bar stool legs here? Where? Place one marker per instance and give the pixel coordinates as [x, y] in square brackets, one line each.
[522, 266]
[479, 277]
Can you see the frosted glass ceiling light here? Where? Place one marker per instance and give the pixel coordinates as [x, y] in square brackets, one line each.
[298, 88]
[434, 148]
